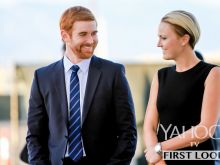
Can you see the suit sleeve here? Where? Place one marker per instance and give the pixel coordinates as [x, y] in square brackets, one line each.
[125, 120]
[37, 135]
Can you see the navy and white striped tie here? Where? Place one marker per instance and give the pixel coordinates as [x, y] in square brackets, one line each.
[74, 128]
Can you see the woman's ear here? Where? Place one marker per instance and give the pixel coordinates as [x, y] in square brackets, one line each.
[185, 39]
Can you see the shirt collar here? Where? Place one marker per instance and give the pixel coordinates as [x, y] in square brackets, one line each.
[83, 65]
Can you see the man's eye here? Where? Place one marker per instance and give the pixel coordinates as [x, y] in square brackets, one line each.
[82, 34]
[94, 33]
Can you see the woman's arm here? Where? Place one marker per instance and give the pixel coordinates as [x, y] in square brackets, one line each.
[151, 123]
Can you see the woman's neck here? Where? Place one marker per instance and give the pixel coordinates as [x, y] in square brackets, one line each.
[186, 61]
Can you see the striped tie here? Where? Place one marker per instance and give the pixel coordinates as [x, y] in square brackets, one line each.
[74, 129]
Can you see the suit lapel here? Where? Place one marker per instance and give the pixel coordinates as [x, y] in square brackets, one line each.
[59, 84]
[92, 82]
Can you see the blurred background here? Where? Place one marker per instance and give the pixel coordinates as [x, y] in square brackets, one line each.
[30, 38]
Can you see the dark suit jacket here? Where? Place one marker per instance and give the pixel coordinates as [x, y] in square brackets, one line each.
[108, 120]
[24, 154]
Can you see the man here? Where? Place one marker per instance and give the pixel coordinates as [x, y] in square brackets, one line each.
[80, 108]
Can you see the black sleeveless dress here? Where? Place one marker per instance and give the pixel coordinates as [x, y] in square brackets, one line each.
[179, 105]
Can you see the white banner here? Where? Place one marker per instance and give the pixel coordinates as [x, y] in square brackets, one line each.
[191, 155]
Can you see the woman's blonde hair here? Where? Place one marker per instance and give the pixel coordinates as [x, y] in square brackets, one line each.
[184, 23]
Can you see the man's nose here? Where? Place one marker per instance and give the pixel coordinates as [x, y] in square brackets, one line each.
[90, 40]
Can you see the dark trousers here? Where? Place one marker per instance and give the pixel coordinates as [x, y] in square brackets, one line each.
[69, 161]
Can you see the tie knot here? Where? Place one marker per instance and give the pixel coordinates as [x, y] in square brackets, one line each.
[75, 68]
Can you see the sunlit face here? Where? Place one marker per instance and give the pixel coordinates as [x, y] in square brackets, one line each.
[84, 39]
[169, 41]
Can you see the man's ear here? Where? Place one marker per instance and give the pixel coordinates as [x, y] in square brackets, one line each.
[65, 36]
[185, 39]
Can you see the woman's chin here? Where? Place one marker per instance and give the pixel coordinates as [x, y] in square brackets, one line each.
[166, 57]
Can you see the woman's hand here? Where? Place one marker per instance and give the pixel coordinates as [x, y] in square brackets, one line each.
[161, 162]
[152, 156]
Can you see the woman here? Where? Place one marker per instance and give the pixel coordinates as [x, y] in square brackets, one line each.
[184, 99]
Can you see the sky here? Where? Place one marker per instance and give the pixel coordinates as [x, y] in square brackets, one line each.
[29, 31]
